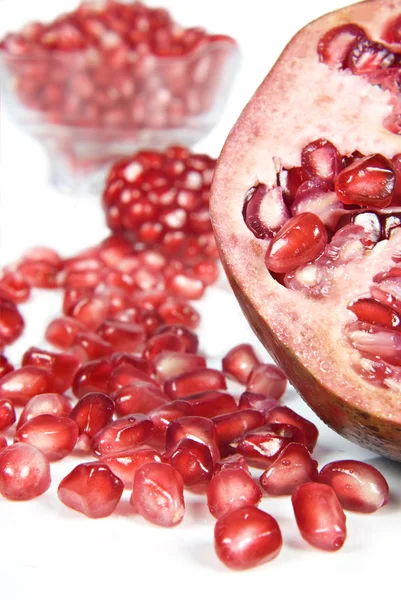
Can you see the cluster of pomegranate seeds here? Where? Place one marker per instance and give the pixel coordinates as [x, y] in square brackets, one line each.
[117, 65]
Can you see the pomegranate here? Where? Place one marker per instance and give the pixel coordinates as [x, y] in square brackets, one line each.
[308, 220]
[24, 472]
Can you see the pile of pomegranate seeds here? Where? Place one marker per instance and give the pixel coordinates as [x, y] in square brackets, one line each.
[323, 216]
[117, 65]
[127, 387]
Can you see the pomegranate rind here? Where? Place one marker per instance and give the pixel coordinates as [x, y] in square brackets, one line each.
[306, 341]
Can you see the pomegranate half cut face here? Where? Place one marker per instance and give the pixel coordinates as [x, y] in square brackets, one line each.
[306, 208]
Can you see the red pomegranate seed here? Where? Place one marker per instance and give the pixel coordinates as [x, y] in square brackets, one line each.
[5, 366]
[199, 429]
[230, 489]
[73, 295]
[11, 322]
[259, 402]
[268, 380]
[319, 516]
[24, 472]
[127, 374]
[124, 337]
[61, 332]
[140, 397]
[265, 211]
[39, 274]
[3, 443]
[185, 286]
[94, 376]
[321, 159]
[334, 46]
[7, 414]
[45, 404]
[372, 311]
[239, 362]
[92, 489]
[166, 414]
[290, 181]
[158, 494]
[93, 412]
[122, 434]
[169, 364]
[302, 239]
[162, 342]
[262, 446]
[195, 382]
[54, 436]
[125, 464]
[358, 486]
[212, 404]
[207, 271]
[193, 461]
[247, 537]
[90, 310]
[366, 57]
[123, 358]
[392, 33]
[62, 366]
[14, 287]
[179, 312]
[369, 181]
[292, 467]
[91, 346]
[283, 414]
[21, 385]
[232, 426]
[189, 338]
[234, 461]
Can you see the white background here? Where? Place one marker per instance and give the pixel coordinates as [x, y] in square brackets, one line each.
[49, 551]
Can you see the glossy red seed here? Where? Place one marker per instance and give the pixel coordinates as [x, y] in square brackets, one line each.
[123, 434]
[335, 45]
[372, 311]
[369, 181]
[125, 464]
[284, 414]
[123, 358]
[292, 467]
[232, 426]
[268, 380]
[24, 472]
[321, 159]
[45, 404]
[178, 312]
[54, 436]
[185, 286]
[11, 322]
[92, 489]
[91, 346]
[62, 366]
[319, 516]
[92, 412]
[140, 397]
[39, 274]
[262, 446]
[162, 342]
[230, 489]
[193, 461]
[93, 376]
[189, 338]
[7, 414]
[90, 310]
[124, 337]
[127, 374]
[367, 57]
[259, 402]
[199, 429]
[195, 382]
[169, 364]
[239, 362]
[3, 443]
[233, 461]
[247, 537]
[392, 32]
[302, 239]
[212, 404]
[358, 485]
[61, 332]
[166, 414]
[14, 287]
[5, 366]
[21, 385]
[158, 494]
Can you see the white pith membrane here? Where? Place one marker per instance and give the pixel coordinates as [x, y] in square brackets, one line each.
[302, 100]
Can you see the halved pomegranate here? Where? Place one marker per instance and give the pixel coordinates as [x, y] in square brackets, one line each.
[306, 208]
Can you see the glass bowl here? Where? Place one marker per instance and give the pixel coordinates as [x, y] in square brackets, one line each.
[89, 107]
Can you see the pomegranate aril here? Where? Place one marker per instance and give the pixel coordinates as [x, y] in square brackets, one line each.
[127, 374]
[21, 385]
[170, 364]
[61, 332]
[232, 426]
[265, 211]
[14, 287]
[369, 181]
[230, 489]
[178, 312]
[54, 436]
[3, 443]
[24, 472]
[164, 415]
[140, 397]
[321, 159]
[316, 196]
[199, 429]
[40, 274]
[62, 366]
[284, 414]
[162, 342]
[45, 404]
[195, 382]
[358, 486]
[185, 286]
[91, 311]
[319, 516]
[5, 366]
[193, 461]
[11, 322]
[239, 362]
[189, 338]
[90, 346]
[158, 494]
[123, 434]
[372, 311]
[7, 414]
[247, 537]
[233, 461]
[375, 341]
[259, 402]
[212, 404]
[268, 380]
[292, 467]
[366, 57]
[392, 32]
[94, 376]
[302, 239]
[124, 358]
[290, 181]
[92, 412]
[92, 489]
[124, 464]
[124, 337]
[335, 45]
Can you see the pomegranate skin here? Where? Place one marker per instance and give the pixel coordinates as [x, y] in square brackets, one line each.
[280, 317]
